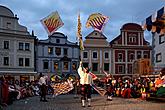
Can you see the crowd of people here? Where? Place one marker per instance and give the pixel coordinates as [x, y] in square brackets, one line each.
[118, 87]
[12, 90]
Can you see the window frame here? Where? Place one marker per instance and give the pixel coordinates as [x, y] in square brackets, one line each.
[4, 61]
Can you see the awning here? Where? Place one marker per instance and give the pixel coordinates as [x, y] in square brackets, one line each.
[18, 73]
[155, 22]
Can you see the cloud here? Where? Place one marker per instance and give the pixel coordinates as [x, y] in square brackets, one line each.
[30, 12]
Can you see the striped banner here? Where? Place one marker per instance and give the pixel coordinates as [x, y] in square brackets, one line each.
[97, 21]
[52, 22]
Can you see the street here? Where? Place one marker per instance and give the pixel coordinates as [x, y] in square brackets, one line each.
[68, 102]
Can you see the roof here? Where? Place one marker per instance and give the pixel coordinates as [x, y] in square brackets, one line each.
[99, 36]
[132, 26]
[4, 11]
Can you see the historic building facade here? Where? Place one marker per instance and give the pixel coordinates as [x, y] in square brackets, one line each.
[129, 46]
[16, 47]
[158, 51]
[57, 56]
[97, 53]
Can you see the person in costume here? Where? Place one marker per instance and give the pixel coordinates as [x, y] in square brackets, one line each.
[43, 87]
[109, 88]
[85, 83]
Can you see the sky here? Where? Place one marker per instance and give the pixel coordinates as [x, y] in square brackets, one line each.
[120, 12]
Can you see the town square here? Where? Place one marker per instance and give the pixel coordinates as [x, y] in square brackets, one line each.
[82, 55]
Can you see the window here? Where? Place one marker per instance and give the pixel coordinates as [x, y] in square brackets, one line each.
[20, 46]
[95, 67]
[106, 66]
[27, 46]
[58, 51]
[65, 51]
[74, 66]
[56, 65]
[161, 38]
[120, 57]
[120, 69]
[65, 65]
[85, 65]
[58, 41]
[6, 45]
[50, 50]
[27, 62]
[85, 54]
[132, 39]
[94, 54]
[6, 61]
[138, 55]
[20, 61]
[131, 57]
[106, 55]
[145, 55]
[158, 57]
[46, 65]
[130, 69]
[8, 25]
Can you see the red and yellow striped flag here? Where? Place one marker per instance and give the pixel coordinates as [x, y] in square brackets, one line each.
[52, 22]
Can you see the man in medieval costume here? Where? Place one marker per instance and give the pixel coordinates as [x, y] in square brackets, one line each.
[85, 83]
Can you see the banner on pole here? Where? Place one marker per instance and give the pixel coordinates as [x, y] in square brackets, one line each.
[52, 22]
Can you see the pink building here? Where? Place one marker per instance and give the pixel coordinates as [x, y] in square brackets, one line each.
[129, 46]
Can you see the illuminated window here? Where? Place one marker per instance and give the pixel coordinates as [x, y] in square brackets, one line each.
[74, 66]
[65, 65]
[55, 65]
[50, 50]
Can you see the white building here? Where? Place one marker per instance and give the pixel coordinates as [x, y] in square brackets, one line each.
[56, 55]
[16, 48]
[159, 50]
[97, 53]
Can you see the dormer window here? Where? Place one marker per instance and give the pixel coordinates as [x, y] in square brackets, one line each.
[95, 34]
[8, 25]
[57, 41]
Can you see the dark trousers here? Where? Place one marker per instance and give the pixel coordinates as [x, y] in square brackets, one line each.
[85, 91]
[43, 92]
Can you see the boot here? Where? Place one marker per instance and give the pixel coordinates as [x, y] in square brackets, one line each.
[83, 103]
[89, 102]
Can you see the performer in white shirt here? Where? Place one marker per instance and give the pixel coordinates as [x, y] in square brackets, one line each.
[85, 82]
[43, 87]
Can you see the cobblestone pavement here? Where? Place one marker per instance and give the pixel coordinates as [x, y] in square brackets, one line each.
[68, 102]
